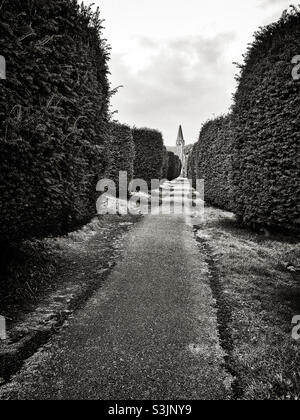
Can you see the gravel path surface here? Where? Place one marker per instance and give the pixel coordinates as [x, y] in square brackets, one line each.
[149, 333]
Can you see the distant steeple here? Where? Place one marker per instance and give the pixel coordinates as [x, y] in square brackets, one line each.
[180, 140]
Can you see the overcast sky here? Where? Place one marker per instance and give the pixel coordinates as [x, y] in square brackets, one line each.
[174, 57]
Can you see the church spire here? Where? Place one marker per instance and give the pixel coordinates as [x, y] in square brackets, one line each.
[180, 140]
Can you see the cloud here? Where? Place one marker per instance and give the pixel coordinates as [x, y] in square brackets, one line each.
[175, 59]
[282, 3]
[182, 81]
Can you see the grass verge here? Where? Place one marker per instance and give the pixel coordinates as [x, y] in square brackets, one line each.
[262, 295]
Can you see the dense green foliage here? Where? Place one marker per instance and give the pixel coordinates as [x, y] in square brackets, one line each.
[174, 169]
[149, 154]
[211, 161]
[120, 152]
[266, 153]
[250, 160]
[53, 114]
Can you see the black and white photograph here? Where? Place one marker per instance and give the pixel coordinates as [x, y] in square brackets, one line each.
[149, 203]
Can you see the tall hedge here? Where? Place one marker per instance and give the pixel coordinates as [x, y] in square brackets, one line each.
[120, 152]
[174, 168]
[53, 114]
[266, 153]
[211, 161]
[149, 152]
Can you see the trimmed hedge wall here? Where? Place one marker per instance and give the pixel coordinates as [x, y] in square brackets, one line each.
[120, 152]
[53, 114]
[174, 169]
[211, 161]
[149, 154]
[250, 160]
[266, 153]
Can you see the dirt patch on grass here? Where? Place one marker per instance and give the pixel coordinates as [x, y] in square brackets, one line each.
[224, 313]
[262, 293]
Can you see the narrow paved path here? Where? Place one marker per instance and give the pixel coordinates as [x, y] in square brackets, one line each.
[149, 333]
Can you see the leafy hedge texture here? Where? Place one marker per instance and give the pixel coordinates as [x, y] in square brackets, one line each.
[174, 167]
[250, 160]
[120, 152]
[149, 154]
[53, 114]
[266, 152]
[211, 161]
